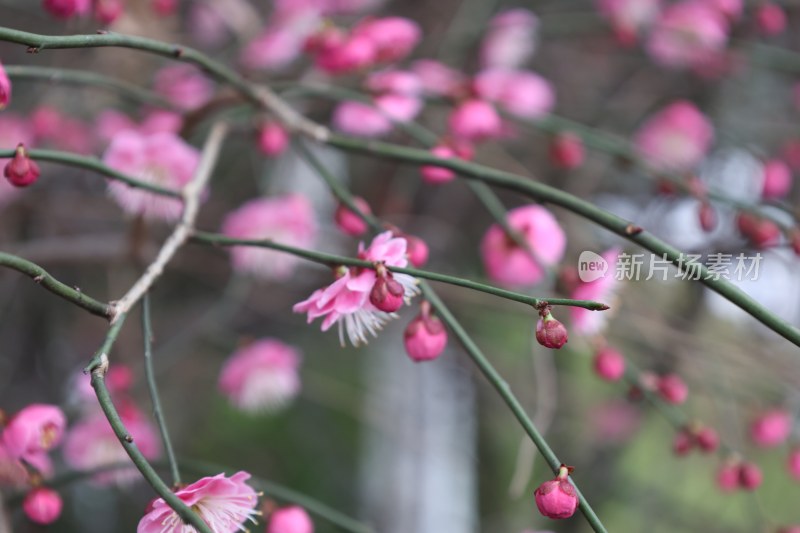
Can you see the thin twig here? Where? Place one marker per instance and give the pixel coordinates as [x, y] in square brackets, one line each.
[158, 412]
[43, 278]
[336, 260]
[191, 204]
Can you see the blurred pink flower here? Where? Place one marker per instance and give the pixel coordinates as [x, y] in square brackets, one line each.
[603, 289]
[398, 107]
[609, 364]
[771, 428]
[184, 86]
[292, 519]
[35, 429]
[262, 376]
[777, 179]
[12, 472]
[348, 221]
[107, 11]
[676, 138]
[672, 389]
[475, 120]
[510, 40]
[273, 139]
[437, 78]
[224, 503]
[509, 264]
[357, 118]
[792, 463]
[688, 33]
[111, 122]
[629, 18]
[393, 38]
[5, 88]
[337, 53]
[346, 301]
[42, 505]
[64, 9]
[521, 93]
[91, 443]
[277, 46]
[770, 18]
[393, 81]
[732, 9]
[161, 159]
[14, 129]
[206, 24]
[614, 422]
[285, 219]
[161, 121]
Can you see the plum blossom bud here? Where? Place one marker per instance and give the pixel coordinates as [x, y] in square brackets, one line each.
[707, 217]
[425, 337]
[777, 179]
[520, 92]
[609, 364]
[5, 88]
[557, 498]
[707, 439]
[760, 232]
[771, 428]
[793, 463]
[566, 151]
[437, 175]
[728, 476]
[550, 333]
[672, 389]
[42, 505]
[386, 294]
[683, 443]
[21, 171]
[349, 222]
[750, 476]
[65, 9]
[475, 120]
[272, 139]
[770, 18]
[417, 250]
[292, 519]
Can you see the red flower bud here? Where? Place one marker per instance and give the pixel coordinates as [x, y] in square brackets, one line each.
[42, 505]
[707, 439]
[750, 476]
[387, 294]
[673, 389]
[566, 151]
[550, 332]
[609, 364]
[557, 498]
[21, 171]
[728, 476]
[425, 337]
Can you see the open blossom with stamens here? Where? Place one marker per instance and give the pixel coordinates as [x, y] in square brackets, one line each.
[35, 429]
[347, 300]
[162, 159]
[91, 443]
[262, 376]
[285, 219]
[224, 503]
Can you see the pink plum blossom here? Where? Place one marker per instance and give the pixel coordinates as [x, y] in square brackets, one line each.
[65, 9]
[771, 428]
[474, 121]
[273, 139]
[777, 179]
[511, 39]
[42, 505]
[770, 18]
[285, 219]
[398, 107]
[689, 33]
[629, 18]
[346, 301]
[111, 122]
[337, 53]
[262, 376]
[358, 118]
[5, 88]
[425, 337]
[609, 364]
[162, 159]
[35, 429]
[509, 264]
[394, 81]
[602, 289]
[438, 79]
[161, 121]
[521, 93]
[676, 138]
[292, 519]
[393, 38]
[224, 503]
[280, 44]
[435, 174]
[184, 86]
[672, 389]
[91, 443]
[350, 222]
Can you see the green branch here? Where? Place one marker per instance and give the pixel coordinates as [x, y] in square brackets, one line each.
[98, 367]
[158, 412]
[43, 278]
[337, 260]
[88, 78]
[91, 163]
[543, 193]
